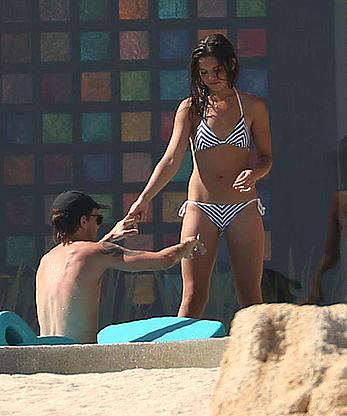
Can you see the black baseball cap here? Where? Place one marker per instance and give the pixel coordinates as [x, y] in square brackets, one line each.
[76, 203]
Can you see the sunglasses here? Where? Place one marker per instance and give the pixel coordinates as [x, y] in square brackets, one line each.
[99, 218]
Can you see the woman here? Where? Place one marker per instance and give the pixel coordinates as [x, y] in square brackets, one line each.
[219, 122]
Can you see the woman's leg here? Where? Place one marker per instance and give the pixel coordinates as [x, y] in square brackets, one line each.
[196, 272]
[246, 239]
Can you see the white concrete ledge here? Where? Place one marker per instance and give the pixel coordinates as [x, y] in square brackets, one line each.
[92, 358]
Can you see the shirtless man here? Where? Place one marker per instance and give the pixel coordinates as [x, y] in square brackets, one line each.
[68, 279]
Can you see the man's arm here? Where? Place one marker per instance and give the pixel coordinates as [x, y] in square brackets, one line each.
[117, 257]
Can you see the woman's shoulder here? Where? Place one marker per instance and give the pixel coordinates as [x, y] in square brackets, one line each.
[252, 102]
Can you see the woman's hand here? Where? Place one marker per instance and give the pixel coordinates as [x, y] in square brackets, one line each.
[245, 181]
[139, 209]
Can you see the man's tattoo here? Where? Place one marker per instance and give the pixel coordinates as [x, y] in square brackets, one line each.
[112, 249]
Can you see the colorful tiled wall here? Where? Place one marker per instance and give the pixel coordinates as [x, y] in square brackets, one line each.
[88, 93]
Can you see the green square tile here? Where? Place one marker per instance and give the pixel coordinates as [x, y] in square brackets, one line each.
[250, 8]
[174, 84]
[95, 9]
[95, 46]
[20, 250]
[135, 85]
[56, 128]
[106, 199]
[185, 169]
[96, 128]
[55, 47]
[173, 9]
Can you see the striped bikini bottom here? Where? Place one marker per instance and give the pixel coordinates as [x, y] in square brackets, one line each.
[221, 214]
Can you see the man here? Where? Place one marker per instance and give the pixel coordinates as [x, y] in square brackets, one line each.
[68, 279]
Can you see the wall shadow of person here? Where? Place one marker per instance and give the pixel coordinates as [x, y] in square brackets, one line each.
[332, 288]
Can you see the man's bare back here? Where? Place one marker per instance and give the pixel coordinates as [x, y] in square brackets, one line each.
[68, 292]
[68, 279]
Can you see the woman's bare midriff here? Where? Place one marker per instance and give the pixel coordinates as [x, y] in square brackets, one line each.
[214, 173]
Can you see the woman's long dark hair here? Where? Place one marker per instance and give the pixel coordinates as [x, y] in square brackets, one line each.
[218, 46]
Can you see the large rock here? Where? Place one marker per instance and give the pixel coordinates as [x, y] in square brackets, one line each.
[284, 360]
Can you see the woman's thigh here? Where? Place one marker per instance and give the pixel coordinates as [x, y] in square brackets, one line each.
[196, 272]
[245, 238]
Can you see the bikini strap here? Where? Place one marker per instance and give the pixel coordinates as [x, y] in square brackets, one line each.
[239, 101]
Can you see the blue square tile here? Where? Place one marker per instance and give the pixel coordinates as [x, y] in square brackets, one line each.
[174, 84]
[98, 168]
[19, 128]
[174, 44]
[254, 81]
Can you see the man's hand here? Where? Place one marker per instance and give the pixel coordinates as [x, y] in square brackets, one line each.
[193, 244]
[124, 228]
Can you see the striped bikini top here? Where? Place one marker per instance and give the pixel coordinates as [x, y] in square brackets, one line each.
[239, 136]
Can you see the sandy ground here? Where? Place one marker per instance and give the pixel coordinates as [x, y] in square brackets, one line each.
[177, 391]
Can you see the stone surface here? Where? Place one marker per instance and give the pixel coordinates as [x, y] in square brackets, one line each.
[92, 358]
[284, 360]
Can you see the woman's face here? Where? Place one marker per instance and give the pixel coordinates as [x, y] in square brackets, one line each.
[212, 74]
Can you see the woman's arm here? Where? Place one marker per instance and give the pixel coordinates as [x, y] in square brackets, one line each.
[260, 129]
[261, 134]
[169, 163]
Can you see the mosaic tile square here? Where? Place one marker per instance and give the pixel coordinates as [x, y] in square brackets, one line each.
[166, 124]
[133, 9]
[185, 169]
[140, 242]
[129, 199]
[202, 33]
[97, 168]
[134, 45]
[144, 292]
[19, 170]
[136, 167]
[173, 9]
[95, 9]
[171, 239]
[135, 85]
[58, 169]
[254, 81]
[16, 88]
[20, 250]
[55, 10]
[106, 199]
[215, 8]
[171, 202]
[174, 44]
[136, 127]
[174, 84]
[95, 46]
[96, 86]
[251, 8]
[55, 47]
[56, 128]
[18, 128]
[96, 128]
[20, 210]
[16, 10]
[15, 48]
[252, 42]
[56, 87]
